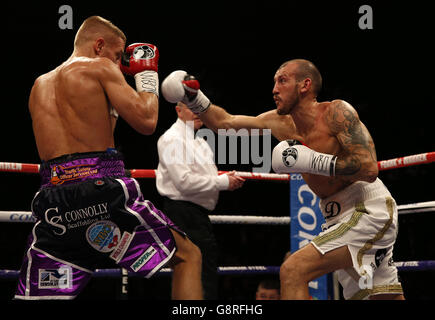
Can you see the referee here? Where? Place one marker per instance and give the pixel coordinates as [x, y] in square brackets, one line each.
[187, 179]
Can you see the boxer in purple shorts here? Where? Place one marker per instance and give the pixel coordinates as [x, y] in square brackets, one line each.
[89, 213]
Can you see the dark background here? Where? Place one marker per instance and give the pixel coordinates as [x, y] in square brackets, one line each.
[234, 48]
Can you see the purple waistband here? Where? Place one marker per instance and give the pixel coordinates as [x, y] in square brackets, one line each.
[80, 167]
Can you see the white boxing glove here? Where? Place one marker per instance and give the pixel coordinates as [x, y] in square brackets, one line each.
[172, 86]
[290, 156]
[180, 86]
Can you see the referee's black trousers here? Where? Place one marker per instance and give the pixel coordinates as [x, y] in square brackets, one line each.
[194, 220]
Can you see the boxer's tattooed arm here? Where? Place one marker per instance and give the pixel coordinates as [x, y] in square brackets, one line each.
[358, 155]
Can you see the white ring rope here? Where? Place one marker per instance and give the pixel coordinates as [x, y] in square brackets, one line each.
[238, 219]
[429, 206]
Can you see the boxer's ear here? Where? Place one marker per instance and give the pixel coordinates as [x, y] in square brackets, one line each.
[98, 46]
[306, 85]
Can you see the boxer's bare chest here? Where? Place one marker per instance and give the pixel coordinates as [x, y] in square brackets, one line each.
[321, 139]
[319, 136]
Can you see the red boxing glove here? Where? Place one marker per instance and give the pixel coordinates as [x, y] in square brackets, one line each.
[141, 61]
[139, 57]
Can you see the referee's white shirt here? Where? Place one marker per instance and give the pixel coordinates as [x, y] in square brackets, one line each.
[186, 169]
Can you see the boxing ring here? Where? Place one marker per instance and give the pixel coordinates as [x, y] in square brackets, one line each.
[403, 209]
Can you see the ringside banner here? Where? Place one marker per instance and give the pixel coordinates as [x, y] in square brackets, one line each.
[306, 221]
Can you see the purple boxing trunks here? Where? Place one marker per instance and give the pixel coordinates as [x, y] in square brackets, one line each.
[90, 215]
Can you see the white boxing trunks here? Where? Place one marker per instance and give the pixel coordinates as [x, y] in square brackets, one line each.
[362, 217]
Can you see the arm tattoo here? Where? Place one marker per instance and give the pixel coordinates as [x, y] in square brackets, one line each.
[354, 138]
[348, 166]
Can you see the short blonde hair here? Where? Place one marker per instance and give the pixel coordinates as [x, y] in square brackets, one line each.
[94, 27]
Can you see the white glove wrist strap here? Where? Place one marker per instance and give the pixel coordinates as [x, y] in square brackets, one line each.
[147, 81]
[198, 105]
[322, 164]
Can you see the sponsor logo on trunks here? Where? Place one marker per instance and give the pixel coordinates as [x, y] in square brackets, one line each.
[54, 221]
[119, 251]
[88, 212]
[143, 259]
[60, 174]
[366, 277]
[332, 209]
[55, 278]
[76, 218]
[379, 256]
[103, 235]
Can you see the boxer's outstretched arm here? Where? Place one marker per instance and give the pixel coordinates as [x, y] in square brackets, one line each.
[282, 126]
[359, 161]
[180, 86]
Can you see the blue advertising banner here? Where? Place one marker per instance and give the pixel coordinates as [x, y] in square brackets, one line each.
[305, 225]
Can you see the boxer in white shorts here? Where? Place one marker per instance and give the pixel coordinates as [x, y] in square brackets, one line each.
[362, 217]
[336, 155]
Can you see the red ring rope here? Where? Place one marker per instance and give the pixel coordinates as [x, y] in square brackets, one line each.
[412, 160]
